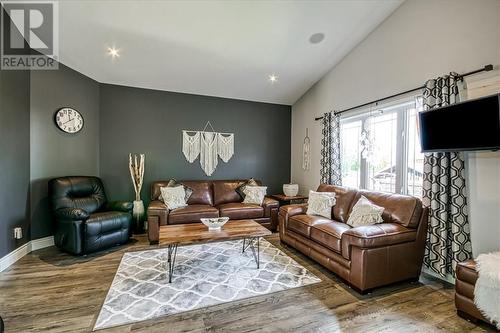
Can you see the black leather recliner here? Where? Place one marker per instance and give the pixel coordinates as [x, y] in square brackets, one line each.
[85, 221]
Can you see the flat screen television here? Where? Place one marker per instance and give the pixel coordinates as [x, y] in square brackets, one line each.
[468, 125]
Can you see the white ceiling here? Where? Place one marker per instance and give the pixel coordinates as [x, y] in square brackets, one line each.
[216, 48]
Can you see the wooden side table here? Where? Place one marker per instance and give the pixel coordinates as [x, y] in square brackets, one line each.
[284, 200]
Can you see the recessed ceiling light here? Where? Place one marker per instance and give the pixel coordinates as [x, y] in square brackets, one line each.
[317, 38]
[113, 52]
[273, 78]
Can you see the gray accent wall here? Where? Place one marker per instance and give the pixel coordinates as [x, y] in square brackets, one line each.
[53, 152]
[119, 120]
[135, 120]
[15, 158]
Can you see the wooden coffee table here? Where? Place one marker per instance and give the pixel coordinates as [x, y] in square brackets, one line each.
[173, 236]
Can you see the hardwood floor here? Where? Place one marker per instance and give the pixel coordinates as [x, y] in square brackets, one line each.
[49, 291]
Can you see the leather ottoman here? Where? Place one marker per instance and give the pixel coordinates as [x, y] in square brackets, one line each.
[464, 292]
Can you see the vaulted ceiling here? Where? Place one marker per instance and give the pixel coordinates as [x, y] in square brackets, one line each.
[216, 48]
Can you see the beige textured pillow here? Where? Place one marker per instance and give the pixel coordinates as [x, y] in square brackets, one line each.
[321, 203]
[174, 197]
[175, 183]
[250, 182]
[365, 212]
[254, 194]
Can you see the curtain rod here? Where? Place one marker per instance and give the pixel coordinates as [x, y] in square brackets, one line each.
[486, 68]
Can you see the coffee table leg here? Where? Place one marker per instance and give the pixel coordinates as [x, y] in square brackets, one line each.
[251, 245]
[172, 254]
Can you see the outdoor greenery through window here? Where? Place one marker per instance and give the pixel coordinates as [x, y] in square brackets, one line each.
[381, 149]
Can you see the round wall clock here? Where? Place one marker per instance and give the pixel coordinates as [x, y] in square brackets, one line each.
[68, 120]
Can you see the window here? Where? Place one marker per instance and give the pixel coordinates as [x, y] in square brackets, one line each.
[381, 149]
[351, 158]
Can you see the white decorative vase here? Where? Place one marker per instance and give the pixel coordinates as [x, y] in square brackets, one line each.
[291, 190]
[138, 210]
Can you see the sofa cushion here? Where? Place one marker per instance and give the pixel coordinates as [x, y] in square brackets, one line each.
[344, 198]
[302, 224]
[329, 234]
[191, 214]
[202, 192]
[403, 209]
[239, 211]
[378, 235]
[225, 191]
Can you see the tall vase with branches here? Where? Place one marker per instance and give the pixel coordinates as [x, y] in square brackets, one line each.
[136, 167]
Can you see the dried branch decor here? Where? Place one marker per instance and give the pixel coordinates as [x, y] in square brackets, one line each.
[136, 167]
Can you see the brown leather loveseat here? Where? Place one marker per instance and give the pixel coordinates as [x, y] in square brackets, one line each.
[368, 256]
[210, 198]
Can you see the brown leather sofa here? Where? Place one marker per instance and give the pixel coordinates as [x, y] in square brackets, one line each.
[368, 256]
[464, 292]
[210, 198]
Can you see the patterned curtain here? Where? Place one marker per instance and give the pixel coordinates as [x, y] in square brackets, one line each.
[448, 238]
[330, 150]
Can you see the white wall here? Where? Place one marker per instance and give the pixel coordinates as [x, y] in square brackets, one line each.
[420, 40]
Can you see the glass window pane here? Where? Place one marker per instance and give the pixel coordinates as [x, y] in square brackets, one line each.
[415, 162]
[350, 132]
[381, 160]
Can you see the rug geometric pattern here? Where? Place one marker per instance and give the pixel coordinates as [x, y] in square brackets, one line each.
[204, 275]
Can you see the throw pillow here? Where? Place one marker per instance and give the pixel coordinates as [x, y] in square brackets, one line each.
[240, 189]
[175, 183]
[174, 197]
[321, 203]
[254, 194]
[365, 212]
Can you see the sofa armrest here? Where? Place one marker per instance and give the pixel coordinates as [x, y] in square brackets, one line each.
[119, 206]
[268, 204]
[157, 215]
[271, 207]
[377, 235]
[291, 210]
[288, 211]
[71, 214]
[68, 235]
[156, 205]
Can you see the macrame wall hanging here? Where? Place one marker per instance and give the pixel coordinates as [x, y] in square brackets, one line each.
[306, 152]
[209, 146]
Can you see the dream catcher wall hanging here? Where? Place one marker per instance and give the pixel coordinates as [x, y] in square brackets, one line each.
[306, 152]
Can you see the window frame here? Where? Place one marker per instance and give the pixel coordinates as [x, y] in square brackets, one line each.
[400, 107]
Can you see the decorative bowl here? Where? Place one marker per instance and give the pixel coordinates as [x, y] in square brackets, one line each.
[215, 223]
[291, 190]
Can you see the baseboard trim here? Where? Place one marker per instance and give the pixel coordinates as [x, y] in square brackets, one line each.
[36, 244]
[42, 243]
[449, 278]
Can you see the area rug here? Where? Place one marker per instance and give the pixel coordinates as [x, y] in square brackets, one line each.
[204, 275]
